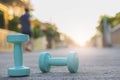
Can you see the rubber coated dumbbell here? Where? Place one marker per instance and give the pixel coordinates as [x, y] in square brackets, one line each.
[18, 69]
[45, 62]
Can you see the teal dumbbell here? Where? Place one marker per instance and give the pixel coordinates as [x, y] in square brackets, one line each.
[45, 62]
[18, 69]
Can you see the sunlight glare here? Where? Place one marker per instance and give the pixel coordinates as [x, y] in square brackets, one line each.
[83, 37]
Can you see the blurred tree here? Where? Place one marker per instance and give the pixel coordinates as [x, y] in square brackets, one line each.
[10, 2]
[51, 34]
[57, 36]
[2, 21]
[112, 21]
[6, 1]
[36, 31]
[36, 28]
[116, 20]
[13, 24]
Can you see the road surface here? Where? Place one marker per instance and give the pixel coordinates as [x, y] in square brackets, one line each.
[94, 64]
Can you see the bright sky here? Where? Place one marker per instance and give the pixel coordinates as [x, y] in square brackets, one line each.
[76, 18]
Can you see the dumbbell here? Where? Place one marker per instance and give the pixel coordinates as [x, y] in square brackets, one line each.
[45, 62]
[18, 69]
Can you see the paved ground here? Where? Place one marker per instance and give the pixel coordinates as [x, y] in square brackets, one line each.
[95, 64]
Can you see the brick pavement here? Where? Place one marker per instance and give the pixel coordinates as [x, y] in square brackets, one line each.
[95, 64]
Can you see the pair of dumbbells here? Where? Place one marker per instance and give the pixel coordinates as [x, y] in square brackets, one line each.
[45, 60]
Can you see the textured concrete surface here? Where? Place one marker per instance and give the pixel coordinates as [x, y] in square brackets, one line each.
[95, 64]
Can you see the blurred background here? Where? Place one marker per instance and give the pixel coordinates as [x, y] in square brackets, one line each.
[63, 23]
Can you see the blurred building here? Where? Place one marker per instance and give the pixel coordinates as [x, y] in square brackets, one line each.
[97, 40]
[11, 8]
[115, 35]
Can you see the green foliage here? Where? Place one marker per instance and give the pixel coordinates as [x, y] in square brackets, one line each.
[51, 32]
[13, 24]
[112, 21]
[36, 31]
[57, 36]
[100, 27]
[2, 21]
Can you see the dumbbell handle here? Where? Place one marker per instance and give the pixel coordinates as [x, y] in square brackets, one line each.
[18, 57]
[57, 61]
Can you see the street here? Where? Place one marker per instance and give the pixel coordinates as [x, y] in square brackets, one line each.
[94, 64]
